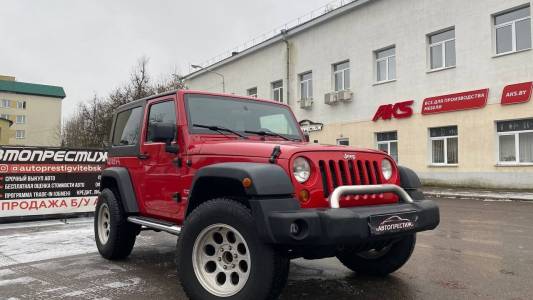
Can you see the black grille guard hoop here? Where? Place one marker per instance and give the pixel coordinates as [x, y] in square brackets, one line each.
[338, 192]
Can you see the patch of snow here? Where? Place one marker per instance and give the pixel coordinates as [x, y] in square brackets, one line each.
[127, 283]
[20, 280]
[48, 244]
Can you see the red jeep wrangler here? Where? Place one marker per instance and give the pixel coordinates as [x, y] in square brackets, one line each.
[236, 179]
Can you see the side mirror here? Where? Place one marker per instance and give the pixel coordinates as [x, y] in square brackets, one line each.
[306, 137]
[162, 132]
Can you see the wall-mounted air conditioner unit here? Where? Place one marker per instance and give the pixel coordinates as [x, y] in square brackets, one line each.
[306, 103]
[331, 98]
[345, 96]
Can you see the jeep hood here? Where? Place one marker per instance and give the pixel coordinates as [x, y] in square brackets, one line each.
[257, 148]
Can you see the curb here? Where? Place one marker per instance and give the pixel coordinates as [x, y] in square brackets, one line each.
[481, 195]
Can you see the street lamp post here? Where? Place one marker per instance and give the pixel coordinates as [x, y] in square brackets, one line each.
[210, 71]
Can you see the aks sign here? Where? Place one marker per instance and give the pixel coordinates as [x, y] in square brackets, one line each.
[400, 110]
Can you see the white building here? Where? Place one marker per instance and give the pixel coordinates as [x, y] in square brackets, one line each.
[452, 58]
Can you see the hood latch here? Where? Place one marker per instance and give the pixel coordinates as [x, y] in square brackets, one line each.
[275, 154]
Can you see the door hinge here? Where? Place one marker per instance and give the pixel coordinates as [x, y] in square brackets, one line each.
[178, 162]
[176, 197]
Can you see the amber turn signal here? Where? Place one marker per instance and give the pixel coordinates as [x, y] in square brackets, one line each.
[247, 182]
[303, 195]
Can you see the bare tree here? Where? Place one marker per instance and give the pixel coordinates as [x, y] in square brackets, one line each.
[90, 125]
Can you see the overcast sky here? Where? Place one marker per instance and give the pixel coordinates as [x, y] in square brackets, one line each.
[90, 47]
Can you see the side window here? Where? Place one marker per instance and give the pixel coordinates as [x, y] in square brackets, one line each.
[160, 113]
[127, 127]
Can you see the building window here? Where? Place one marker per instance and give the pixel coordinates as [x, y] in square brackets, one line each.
[513, 30]
[277, 90]
[20, 134]
[306, 86]
[21, 104]
[444, 145]
[343, 142]
[20, 119]
[6, 103]
[515, 139]
[4, 116]
[388, 143]
[341, 76]
[252, 92]
[386, 64]
[442, 49]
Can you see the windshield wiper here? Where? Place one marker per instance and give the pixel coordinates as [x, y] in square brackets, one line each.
[220, 129]
[269, 133]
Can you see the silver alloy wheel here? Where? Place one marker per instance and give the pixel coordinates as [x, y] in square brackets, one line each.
[374, 253]
[104, 223]
[221, 260]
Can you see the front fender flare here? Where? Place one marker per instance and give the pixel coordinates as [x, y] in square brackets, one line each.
[410, 182]
[267, 179]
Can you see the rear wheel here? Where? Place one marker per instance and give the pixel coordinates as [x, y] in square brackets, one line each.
[379, 262]
[114, 236]
[220, 256]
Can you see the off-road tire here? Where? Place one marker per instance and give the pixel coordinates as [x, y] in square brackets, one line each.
[122, 234]
[269, 268]
[398, 254]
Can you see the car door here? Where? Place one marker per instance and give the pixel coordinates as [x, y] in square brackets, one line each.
[161, 171]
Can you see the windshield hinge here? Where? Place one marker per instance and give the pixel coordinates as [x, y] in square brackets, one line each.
[275, 154]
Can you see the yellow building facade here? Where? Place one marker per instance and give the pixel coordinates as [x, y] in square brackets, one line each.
[34, 110]
[5, 131]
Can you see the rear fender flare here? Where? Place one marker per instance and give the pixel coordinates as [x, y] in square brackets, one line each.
[120, 177]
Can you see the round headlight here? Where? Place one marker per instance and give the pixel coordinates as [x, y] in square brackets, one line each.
[301, 169]
[386, 169]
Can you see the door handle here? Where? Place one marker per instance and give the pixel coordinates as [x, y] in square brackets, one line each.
[143, 156]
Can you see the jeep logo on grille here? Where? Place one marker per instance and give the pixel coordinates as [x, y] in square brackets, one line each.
[349, 156]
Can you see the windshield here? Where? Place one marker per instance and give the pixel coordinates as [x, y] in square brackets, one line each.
[239, 115]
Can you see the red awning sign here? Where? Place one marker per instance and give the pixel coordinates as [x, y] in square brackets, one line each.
[453, 102]
[517, 93]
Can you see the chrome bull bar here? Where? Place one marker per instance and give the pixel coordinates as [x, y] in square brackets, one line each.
[340, 191]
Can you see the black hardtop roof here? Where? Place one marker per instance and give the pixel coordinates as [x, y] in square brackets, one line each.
[142, 101]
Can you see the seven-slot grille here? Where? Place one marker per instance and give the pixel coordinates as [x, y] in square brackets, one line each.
[348, 172]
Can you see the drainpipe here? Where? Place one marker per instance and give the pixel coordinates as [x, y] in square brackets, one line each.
[284, 34]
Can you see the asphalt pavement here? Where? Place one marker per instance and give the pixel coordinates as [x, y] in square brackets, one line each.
[481, 250]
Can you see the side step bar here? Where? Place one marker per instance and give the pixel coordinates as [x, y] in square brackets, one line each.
[156, 224]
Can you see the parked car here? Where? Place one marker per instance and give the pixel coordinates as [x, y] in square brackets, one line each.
[238, 182]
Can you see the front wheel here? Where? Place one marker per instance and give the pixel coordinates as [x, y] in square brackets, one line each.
[220, 256]
[379, 262]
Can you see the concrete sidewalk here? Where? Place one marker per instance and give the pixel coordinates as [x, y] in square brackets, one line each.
[480, 194]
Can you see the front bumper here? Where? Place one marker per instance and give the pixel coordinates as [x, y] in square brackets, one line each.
[338, 226]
